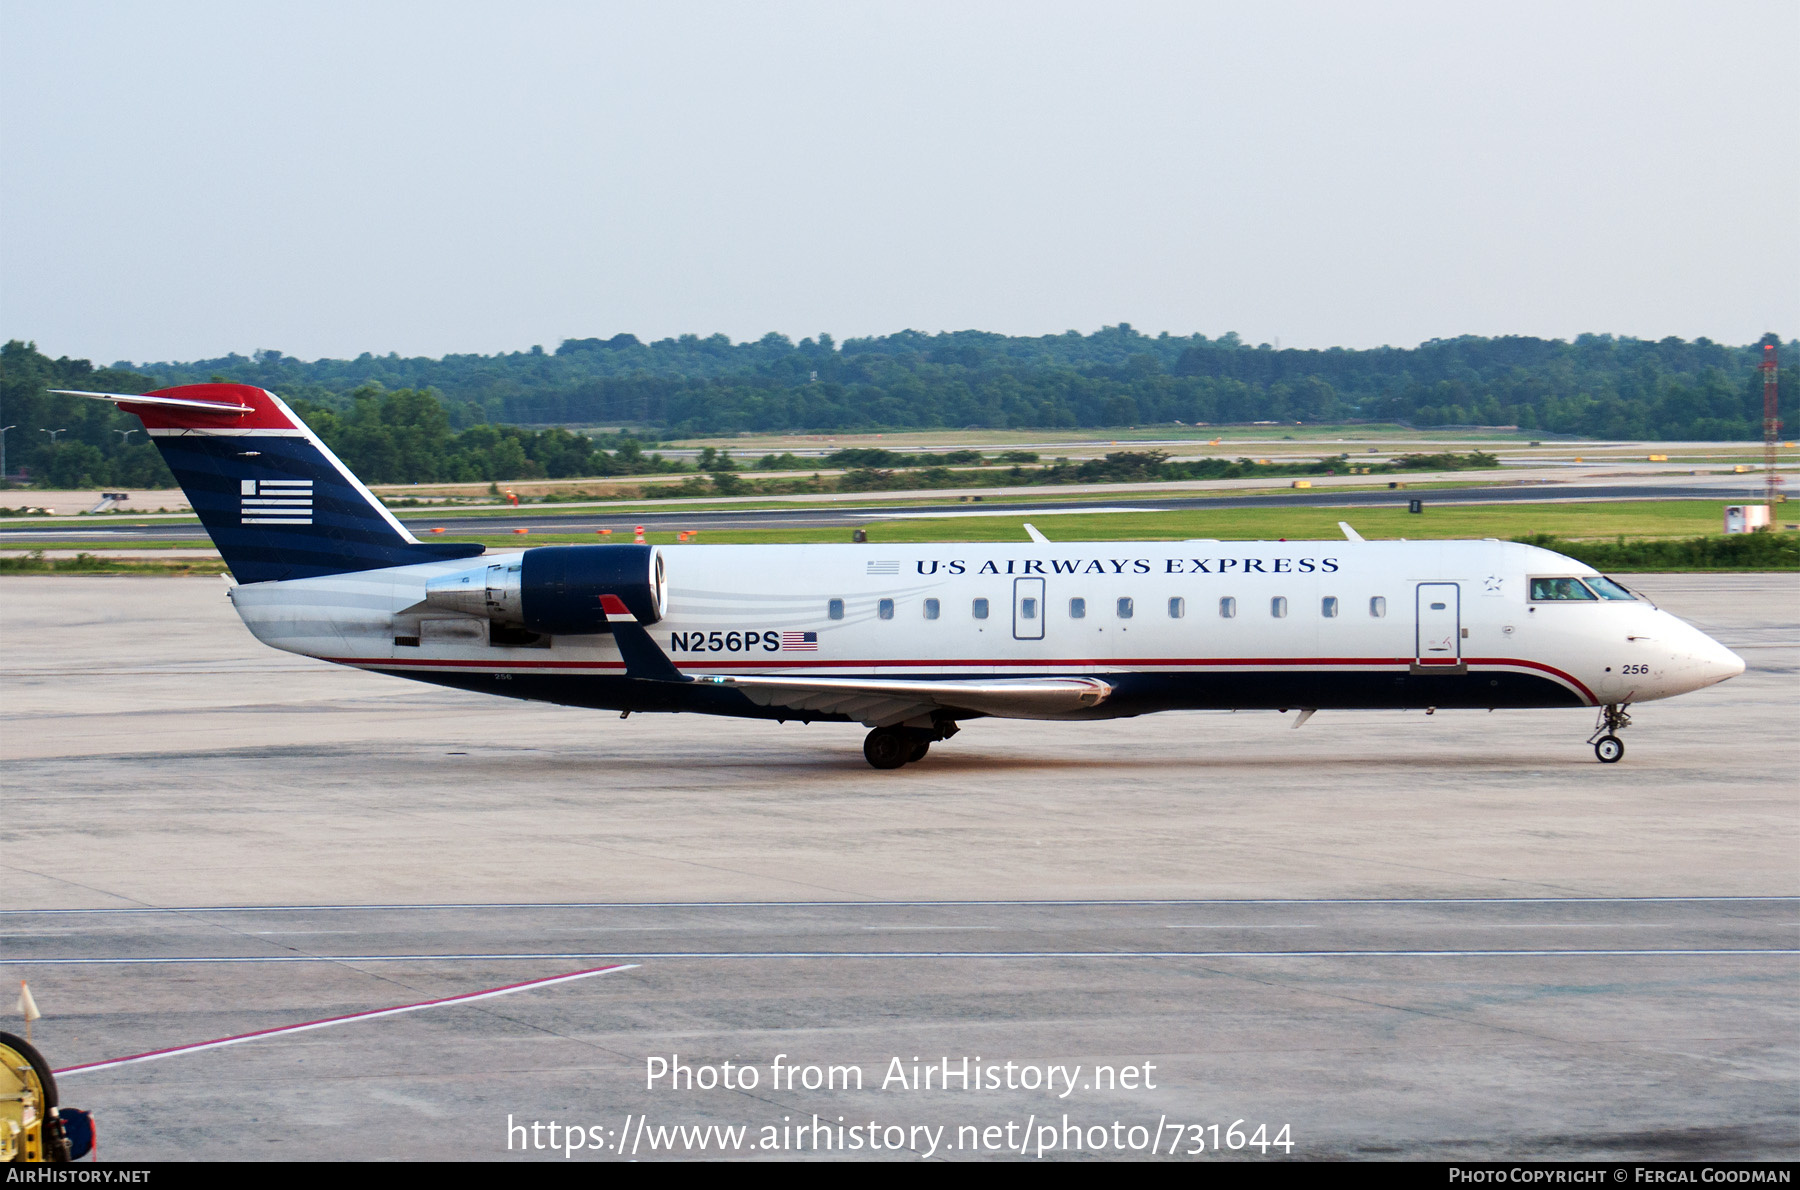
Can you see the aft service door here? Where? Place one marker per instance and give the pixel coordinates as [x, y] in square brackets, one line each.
[1028, 609]
[1440, 625]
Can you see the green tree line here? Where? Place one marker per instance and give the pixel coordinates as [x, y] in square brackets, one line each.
[474, 417]
[398, 436]
[1595, 385]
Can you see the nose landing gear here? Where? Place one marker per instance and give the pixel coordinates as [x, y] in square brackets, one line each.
[1608, 747]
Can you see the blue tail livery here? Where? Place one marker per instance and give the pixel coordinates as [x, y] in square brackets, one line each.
[274, 499]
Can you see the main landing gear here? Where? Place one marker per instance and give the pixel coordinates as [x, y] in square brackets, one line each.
[891, 747]
[1608, 746]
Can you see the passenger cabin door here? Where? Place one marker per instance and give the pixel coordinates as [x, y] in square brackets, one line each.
[1440, 626]
[1028, 609]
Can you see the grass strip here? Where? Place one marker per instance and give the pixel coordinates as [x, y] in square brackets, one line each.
[36, 563]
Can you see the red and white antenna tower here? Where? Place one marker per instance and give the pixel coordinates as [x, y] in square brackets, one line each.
[1771, 428]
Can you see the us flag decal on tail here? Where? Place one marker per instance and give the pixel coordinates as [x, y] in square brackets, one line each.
[276, 502]
[800, 642]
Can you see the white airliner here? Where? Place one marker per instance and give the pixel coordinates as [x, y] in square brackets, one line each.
[908, 640]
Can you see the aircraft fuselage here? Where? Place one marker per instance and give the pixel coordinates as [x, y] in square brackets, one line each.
[1170, 625]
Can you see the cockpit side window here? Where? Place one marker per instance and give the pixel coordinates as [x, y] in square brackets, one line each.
[1606, 588]
[1548, 589]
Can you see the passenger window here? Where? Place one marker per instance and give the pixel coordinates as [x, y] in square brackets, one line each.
[1328, 607]
[1547, 589]
[931, 609]
[1378, 606]
[885, 609]
[1125, 607]
[1177, 607]
[835, 609]
[1077, 609]
[1028, 609]
[1227, 607]
[979, 607]
[1278, 606]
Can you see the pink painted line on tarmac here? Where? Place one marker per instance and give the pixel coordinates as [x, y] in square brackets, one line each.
[465, 998]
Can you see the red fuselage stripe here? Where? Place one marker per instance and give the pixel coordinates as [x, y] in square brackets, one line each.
[1127, 663]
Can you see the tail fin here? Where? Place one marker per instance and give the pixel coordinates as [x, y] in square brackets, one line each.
[274, 499]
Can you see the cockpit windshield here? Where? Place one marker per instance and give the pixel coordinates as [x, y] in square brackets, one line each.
[1607, 589]
[1543, 589]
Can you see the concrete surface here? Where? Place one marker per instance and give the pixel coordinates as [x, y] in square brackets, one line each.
[155, 757]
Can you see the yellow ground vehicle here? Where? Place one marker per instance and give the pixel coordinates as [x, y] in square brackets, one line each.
[30, 1126]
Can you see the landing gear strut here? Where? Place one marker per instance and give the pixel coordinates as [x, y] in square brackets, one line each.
[1608, 746]
[891, 747]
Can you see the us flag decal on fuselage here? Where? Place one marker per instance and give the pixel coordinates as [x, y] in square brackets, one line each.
[276, 502]
[803, 642]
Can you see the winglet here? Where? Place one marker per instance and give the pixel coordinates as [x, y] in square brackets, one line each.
[1349, 533]
[642, 657]
[1035, 535]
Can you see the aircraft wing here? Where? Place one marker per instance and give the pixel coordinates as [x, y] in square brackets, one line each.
[878, 702]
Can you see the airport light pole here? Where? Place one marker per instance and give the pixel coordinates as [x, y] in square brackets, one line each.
[125, 436]
[54, 433]
[1771, 430]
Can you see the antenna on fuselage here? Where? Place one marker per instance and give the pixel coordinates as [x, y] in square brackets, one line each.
[1349, 533]
[1035, 535]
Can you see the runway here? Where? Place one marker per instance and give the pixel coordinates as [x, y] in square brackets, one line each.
[1454, 936]
[675, 517]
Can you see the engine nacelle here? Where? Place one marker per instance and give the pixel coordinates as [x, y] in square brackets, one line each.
[555, 589]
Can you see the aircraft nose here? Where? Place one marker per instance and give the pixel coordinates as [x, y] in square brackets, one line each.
[1724, 664]
[1711, 662]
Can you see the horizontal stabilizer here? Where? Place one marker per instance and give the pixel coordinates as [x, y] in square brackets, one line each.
[879, 702]
[233, 410]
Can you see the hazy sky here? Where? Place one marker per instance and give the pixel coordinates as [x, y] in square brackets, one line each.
[184, 180]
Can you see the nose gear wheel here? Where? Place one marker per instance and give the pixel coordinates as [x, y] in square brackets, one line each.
[1608, 747]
